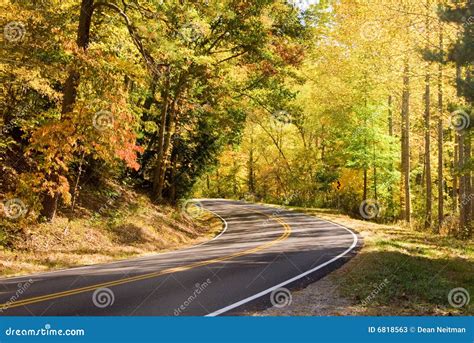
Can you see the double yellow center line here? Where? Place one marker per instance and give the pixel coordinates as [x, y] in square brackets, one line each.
[63, 294]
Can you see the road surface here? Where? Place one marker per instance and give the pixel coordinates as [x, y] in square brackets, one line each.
[261, 254]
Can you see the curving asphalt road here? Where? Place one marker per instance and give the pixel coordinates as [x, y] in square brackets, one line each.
[261, 250]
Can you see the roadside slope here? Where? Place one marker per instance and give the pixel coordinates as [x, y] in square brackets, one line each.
[106, 226]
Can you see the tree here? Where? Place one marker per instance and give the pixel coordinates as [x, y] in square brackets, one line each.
[462, 53]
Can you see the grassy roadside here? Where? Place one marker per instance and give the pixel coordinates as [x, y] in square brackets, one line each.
[106, 226]
[398, 271]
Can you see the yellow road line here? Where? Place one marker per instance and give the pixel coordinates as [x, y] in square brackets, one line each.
[62, 294]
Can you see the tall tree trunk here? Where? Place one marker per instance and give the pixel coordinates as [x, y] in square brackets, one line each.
[429, 192]
[465, 222]
[50, 201]
[406, 142]
[323, 144]
[365, 184]
[157, 192]
[457, 159]
[218, 182]
[429, 189]
[234, 176]
[390, 133]
[83, 40]
[251, 168]
[440, 175]
[468, 185]
[147, 105]
[462, 183]
[455, 173]
[173, 174]
[457, 153]
[440, 136]
[170, 124]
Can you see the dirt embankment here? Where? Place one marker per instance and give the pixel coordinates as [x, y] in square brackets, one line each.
[105, 226]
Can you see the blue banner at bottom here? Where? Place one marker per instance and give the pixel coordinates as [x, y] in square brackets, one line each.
[237, 329]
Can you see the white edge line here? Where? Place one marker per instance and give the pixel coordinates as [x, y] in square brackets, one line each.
[284, 283]
[225, 225]
[111, 263]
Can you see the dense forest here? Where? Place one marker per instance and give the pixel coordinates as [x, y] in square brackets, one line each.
[378, 122]
[362, 106]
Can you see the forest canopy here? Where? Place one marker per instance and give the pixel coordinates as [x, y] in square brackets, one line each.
[361, 106]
